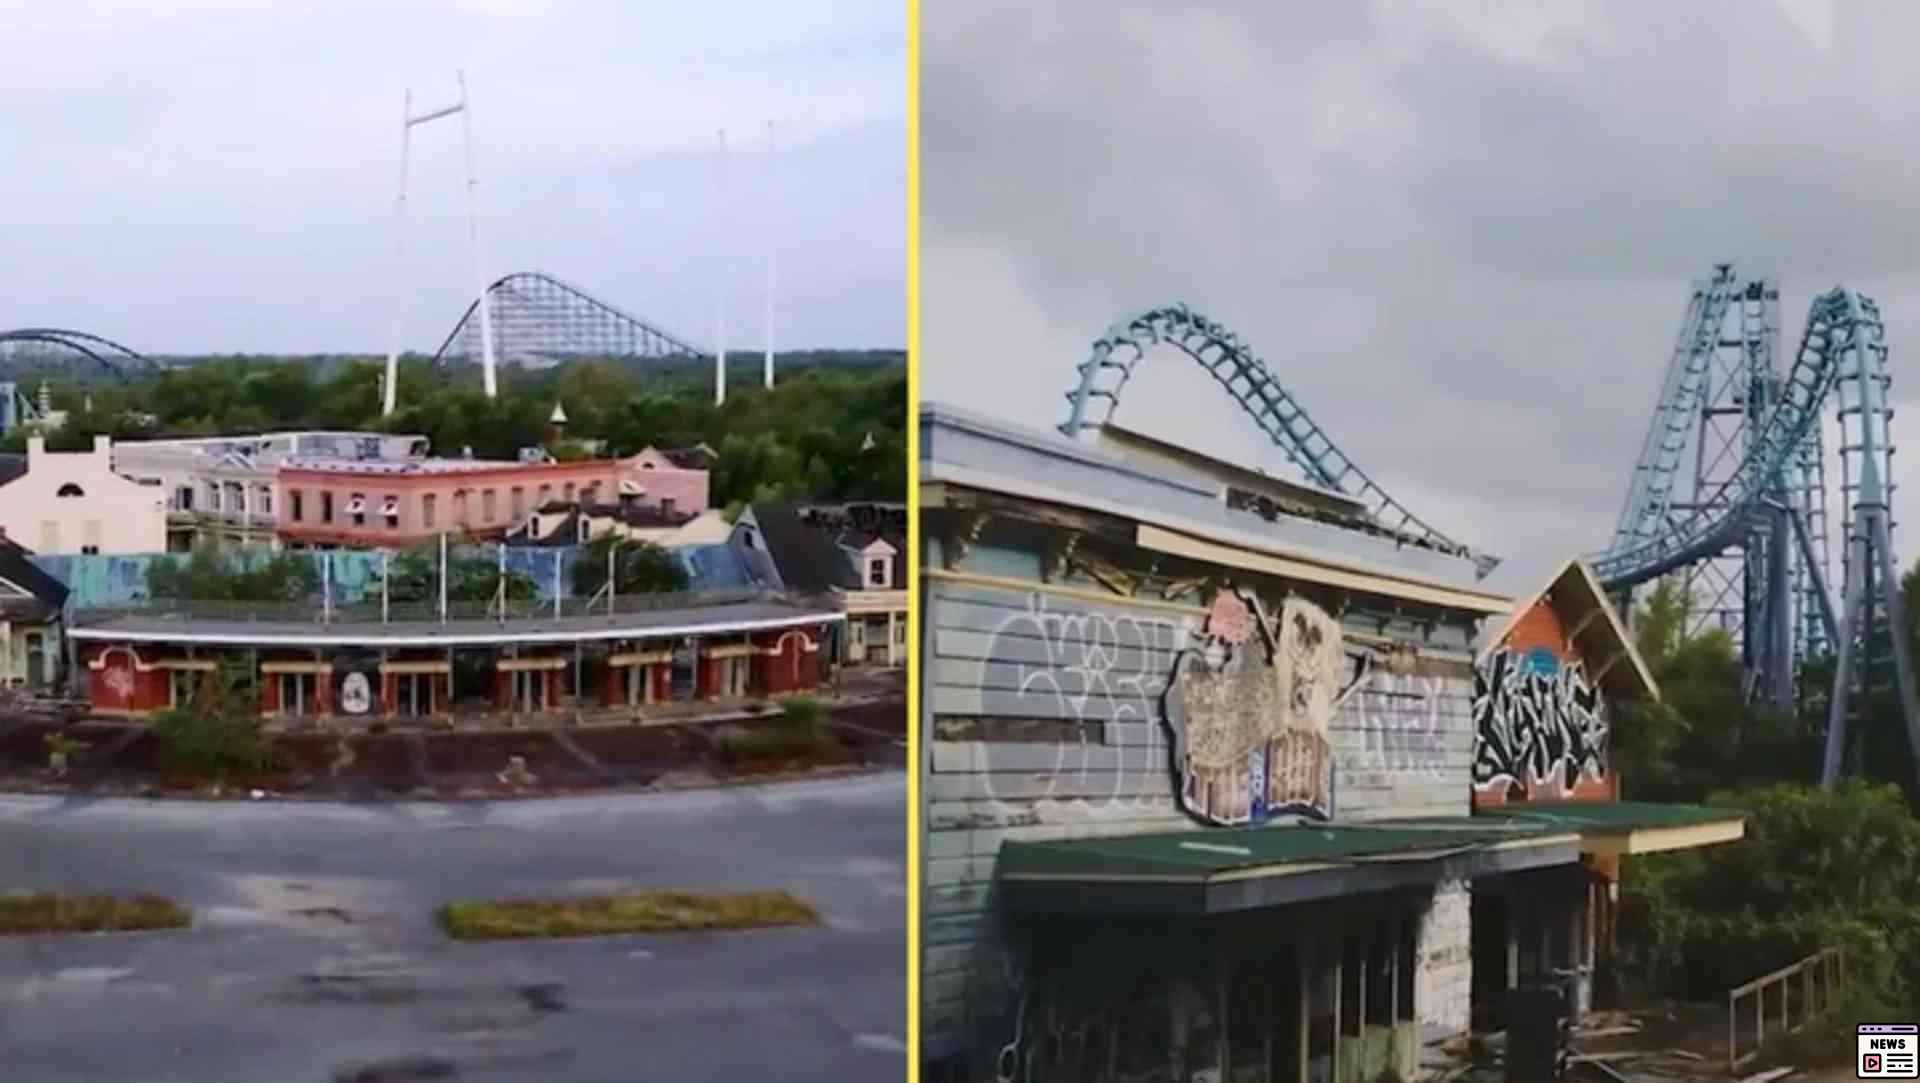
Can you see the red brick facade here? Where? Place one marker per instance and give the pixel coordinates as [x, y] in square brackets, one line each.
[134, 679]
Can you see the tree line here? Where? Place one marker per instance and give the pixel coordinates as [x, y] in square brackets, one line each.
[826, 431]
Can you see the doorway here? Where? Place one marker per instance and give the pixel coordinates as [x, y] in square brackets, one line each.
[299, 695]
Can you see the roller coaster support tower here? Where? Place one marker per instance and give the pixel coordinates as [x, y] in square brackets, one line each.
[1747, 524]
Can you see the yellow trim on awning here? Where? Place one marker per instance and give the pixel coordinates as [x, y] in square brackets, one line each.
[197, 665]
[296, 667]
[732, 650]
[415, 667]
[1655, 840]
[640, 658]
[525, 665]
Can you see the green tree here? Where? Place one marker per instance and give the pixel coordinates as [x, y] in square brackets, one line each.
[209, 574]
[640, 568]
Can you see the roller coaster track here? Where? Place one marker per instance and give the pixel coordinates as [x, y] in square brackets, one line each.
[1252, 385]
[110, 356]
[1770, 506]
[539, 320]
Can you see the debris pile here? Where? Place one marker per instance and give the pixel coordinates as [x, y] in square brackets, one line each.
[1604, 1046]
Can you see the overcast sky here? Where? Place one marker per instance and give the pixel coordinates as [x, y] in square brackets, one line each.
[1461, 233]
[213, 175]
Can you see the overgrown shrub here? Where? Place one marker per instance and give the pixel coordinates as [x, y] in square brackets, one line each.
[215, 734]
[1818, 869]
[801, 710]
[786, 739]
[202, 745]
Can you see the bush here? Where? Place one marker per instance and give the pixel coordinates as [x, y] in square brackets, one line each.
[1818, 869]
[215, 734]
[206, 745]
[803, 710]
[786, 739]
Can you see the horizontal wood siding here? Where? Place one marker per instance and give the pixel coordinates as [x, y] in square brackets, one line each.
[1046, 724]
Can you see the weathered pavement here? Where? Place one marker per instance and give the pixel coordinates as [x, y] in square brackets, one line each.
[314, 956]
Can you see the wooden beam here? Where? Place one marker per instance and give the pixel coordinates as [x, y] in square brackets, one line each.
[1585, 622]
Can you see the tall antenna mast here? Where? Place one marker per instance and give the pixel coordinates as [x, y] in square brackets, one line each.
[408, 122]
[390, 388]
[772, 220]
[473, 233]
[720, 301]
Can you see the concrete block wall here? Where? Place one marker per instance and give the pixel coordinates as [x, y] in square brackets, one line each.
[1443, 983]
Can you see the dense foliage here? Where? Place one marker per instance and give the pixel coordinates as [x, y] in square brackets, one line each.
[210, 575]
[1818, 868]
[639, 568]
[216, 733]
[827, 431]
[414, 577]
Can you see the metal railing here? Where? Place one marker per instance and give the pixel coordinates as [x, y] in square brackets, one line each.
[372, 611]
[1821, 976]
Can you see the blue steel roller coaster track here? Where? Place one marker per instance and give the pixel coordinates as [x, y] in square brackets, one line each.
[1235, 367]
[1771, 506]
[1762, 508]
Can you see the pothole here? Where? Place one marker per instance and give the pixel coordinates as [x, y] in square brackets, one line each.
[398, 1070]
[544, 997]
[328, 914]
[355, 989]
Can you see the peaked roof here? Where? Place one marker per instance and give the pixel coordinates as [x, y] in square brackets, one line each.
[17, 567]
[805, 556]
[1576, 594]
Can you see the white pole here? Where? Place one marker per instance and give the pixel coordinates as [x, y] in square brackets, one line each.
[443, 577]
[383, 586]
[389, 393]
[473, 231]
[500, 589]
[720, 302]
[771, 224]
[556, 585]
[613, 547]
[326, 587]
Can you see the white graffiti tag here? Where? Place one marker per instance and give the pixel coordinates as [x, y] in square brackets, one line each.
[1403, 725]
[1103, 676]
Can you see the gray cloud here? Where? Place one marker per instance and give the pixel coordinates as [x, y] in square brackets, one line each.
[220, 175]
[1462, 234]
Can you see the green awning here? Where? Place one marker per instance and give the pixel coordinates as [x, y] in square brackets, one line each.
[1615, 828]
[1216, 870]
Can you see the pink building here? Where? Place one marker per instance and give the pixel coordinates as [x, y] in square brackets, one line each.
[395, 504]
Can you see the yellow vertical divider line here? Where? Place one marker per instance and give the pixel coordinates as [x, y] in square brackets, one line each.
[914, 639]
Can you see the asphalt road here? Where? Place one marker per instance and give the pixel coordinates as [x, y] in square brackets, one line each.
[313, 955]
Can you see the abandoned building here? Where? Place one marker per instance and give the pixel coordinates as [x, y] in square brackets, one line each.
[1222, 779]
[300, 662]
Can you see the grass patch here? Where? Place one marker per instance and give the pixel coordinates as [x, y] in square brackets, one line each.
[47, 912]
[609, 915]
[786, 739]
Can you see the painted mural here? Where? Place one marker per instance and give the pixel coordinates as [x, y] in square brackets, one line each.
[1538, 724]
[105, 580]
[1249, 708]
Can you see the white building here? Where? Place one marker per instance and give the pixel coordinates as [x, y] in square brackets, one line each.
[73, 502]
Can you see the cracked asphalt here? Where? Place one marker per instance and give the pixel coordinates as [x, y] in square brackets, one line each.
[314, 957]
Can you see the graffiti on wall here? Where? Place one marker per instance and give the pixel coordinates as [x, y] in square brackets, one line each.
[1537, 722]
[1083, 668]
[1402, 723]
[1249, 710]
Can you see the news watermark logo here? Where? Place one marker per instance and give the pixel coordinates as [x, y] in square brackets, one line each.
[1887, 1051]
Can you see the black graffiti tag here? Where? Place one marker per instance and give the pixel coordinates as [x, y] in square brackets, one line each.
[1529, 725]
